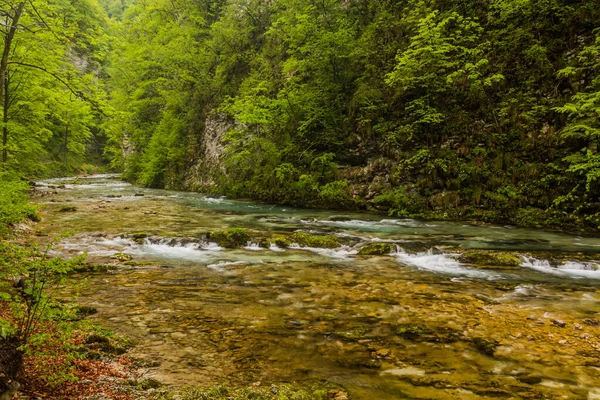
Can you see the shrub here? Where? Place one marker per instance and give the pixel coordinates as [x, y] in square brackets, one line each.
[13, 201]
[400, 203]
[335, 195]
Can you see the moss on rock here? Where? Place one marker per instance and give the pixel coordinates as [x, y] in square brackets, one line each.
[283, 243]
[311, 390]
[376, 249]
[490, 259]
[264, 243]
[139, 237]
[317, 241]
[230, 238]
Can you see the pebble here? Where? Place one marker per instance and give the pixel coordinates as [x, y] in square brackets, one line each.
[337, 394]
[383, 352]
[558, 322]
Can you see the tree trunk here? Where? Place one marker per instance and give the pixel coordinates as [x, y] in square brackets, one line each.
[5, 120]
[8, 38]
[66, 144]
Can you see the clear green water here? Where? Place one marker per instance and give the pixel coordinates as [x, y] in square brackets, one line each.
[414, 324]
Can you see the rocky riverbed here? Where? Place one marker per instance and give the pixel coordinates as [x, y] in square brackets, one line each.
[216, 291]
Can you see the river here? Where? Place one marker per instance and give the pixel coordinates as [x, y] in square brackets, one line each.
[415, 323]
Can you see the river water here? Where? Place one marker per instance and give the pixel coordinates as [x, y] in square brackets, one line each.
[415, 323]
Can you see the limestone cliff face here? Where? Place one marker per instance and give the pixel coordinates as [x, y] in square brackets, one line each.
[370, 180]
[127, 148]
[201, 176]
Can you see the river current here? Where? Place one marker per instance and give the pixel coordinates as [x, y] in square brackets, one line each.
[416, 323]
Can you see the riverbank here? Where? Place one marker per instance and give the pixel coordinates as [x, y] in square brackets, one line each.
[352, 196]
[47, 349]
[441, 208]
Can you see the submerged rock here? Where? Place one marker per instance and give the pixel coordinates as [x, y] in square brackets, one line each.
[90, 267]
[411, 371]
[530, 379]
[123, 257]
[558, 322]
[383, 352]
[337, 394]
[436, 334]
[486, 346]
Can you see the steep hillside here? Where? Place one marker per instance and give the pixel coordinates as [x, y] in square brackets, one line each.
[484, 110]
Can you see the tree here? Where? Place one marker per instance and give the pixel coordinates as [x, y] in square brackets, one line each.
[582, 132]
[437, 75]
[11, 23]
[45, 60]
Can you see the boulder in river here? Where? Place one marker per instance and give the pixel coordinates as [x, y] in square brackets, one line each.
[490, 259]
[139, 237]
[376, 249]
[315, 241]
[230, 238]
[282, 243]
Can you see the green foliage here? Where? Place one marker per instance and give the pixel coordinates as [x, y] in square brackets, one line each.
[400, 203]
[442, 69]
[52, 99]
[582, 132]
[13, 201]
[479, 109]
[37, 275]
[27, 280]
[335, 195]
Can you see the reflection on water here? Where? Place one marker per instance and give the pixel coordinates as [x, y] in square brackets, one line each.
[413, 324]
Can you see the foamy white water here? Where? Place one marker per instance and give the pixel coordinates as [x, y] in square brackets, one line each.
[219, 266]
[340, 253]
[253, 247]
[574, 269]
[440, 263]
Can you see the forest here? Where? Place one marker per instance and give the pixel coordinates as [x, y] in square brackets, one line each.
[299, 199]
[439, 109]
